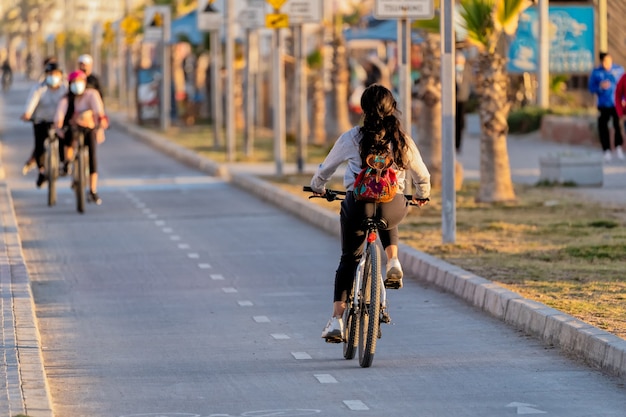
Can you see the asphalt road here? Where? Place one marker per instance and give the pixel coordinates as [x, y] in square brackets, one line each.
[181, 296]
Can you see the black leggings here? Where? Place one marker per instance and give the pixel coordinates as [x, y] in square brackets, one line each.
[352, 215]
[39, 152]
[91, 143]
[606, 114]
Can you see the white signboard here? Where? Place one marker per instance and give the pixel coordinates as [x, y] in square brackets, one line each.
[303, 11]
[156, 23]
[253, 16]
[209, 17]
[404, 9]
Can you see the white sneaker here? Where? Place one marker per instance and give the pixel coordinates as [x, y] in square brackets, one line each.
[607, 155]
[620, 153]
[394, 274]
[333, 332]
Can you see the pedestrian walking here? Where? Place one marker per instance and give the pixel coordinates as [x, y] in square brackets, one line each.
[602, 83]
[620, 107]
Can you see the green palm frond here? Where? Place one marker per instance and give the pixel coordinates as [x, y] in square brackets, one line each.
[507, 14]
[477, 20]
[430, 25]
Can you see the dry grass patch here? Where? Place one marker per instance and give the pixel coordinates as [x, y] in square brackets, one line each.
[549, 246]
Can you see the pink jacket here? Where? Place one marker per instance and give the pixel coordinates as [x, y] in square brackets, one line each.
[88, 110]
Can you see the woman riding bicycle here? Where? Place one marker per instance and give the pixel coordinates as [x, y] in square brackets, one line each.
[40, 108]
[381, 129]
[82, 110]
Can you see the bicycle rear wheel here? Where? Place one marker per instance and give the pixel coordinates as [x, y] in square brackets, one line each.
[369, 306]
[351, 322]
[52, 170]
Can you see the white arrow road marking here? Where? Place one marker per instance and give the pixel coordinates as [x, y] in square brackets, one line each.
[523, 408]
[356, 405]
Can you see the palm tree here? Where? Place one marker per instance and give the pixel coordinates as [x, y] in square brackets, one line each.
[486, 23]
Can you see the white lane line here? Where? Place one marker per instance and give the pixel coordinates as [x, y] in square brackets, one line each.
[245, 303]
[140, 205]
[183, 246]
[193, 255]
[355, 405]
[152, 216]
[301, 355]
[229, 290]
[167, 230]
[325, 378]
[160, 222]
[261, 319]
[175, 237]
[280, 336]
[147, 211]
[204, 266]
[217, 277]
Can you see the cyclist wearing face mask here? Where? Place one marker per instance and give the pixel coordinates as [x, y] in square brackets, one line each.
[41, 106]
[82, 109]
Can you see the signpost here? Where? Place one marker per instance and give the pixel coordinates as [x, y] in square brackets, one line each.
[157, 21]
[210, 20]
[276, 21]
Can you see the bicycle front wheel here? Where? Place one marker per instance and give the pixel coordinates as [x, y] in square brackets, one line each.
[369, 306]
[81, 178]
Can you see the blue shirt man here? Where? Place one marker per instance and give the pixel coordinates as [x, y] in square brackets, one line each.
[602, 83]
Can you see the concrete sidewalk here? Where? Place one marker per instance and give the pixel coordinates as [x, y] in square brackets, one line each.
[595, 346]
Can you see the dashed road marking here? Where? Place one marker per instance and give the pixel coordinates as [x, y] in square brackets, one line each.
[167, 230]
[217, 277]
[301, 355]
[280, 336]
[175, 237]
[325, 378]
[160, 222]
[261, 319]
[356, 405]
[229, 290]
[245, 303]
[152, 216]
[183, 246]
[204, 266]
[193, 255]
[140, 205]
[147, 211]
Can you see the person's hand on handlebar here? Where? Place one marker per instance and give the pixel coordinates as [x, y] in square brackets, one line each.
[419, 201]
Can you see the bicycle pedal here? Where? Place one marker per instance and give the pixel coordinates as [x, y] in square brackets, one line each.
[333, 340]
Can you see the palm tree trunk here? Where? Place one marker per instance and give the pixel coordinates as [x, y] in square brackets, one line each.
[341, 79]
[495, 172]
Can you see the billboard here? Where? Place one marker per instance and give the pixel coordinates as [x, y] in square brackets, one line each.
[571, 32]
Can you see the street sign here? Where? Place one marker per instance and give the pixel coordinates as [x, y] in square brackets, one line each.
[276, 4]
[276, 20]
[209, 17]
[253, 16]
[156, 23]
[404, 9]
[303, 11]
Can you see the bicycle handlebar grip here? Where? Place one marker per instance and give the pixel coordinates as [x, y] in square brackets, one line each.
[307, 188]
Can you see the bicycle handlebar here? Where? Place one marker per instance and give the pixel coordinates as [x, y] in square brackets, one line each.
[331, 195]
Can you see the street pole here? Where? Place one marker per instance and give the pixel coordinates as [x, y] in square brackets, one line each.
[216, 88]
[166, 83]
[543, 67]
[252, 51]
[278, 88]
[301, 91]
[603, 25]
[230, 80]
[404, 50]
[448, 99]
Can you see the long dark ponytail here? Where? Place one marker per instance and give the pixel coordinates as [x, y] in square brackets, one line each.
[381, 127]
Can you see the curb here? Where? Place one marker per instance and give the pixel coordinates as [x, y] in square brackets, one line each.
[595, 346]
[27, 388]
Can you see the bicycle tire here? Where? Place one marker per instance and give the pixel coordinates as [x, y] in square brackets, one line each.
[81, 180]
[369, 311]
[351, 323]
[52, 170]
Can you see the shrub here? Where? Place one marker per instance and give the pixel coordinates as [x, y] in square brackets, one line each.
[527, 119]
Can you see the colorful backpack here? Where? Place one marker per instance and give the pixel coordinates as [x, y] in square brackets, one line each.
[376, 183]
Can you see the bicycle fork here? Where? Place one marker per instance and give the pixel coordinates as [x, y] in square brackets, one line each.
[356, 296]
